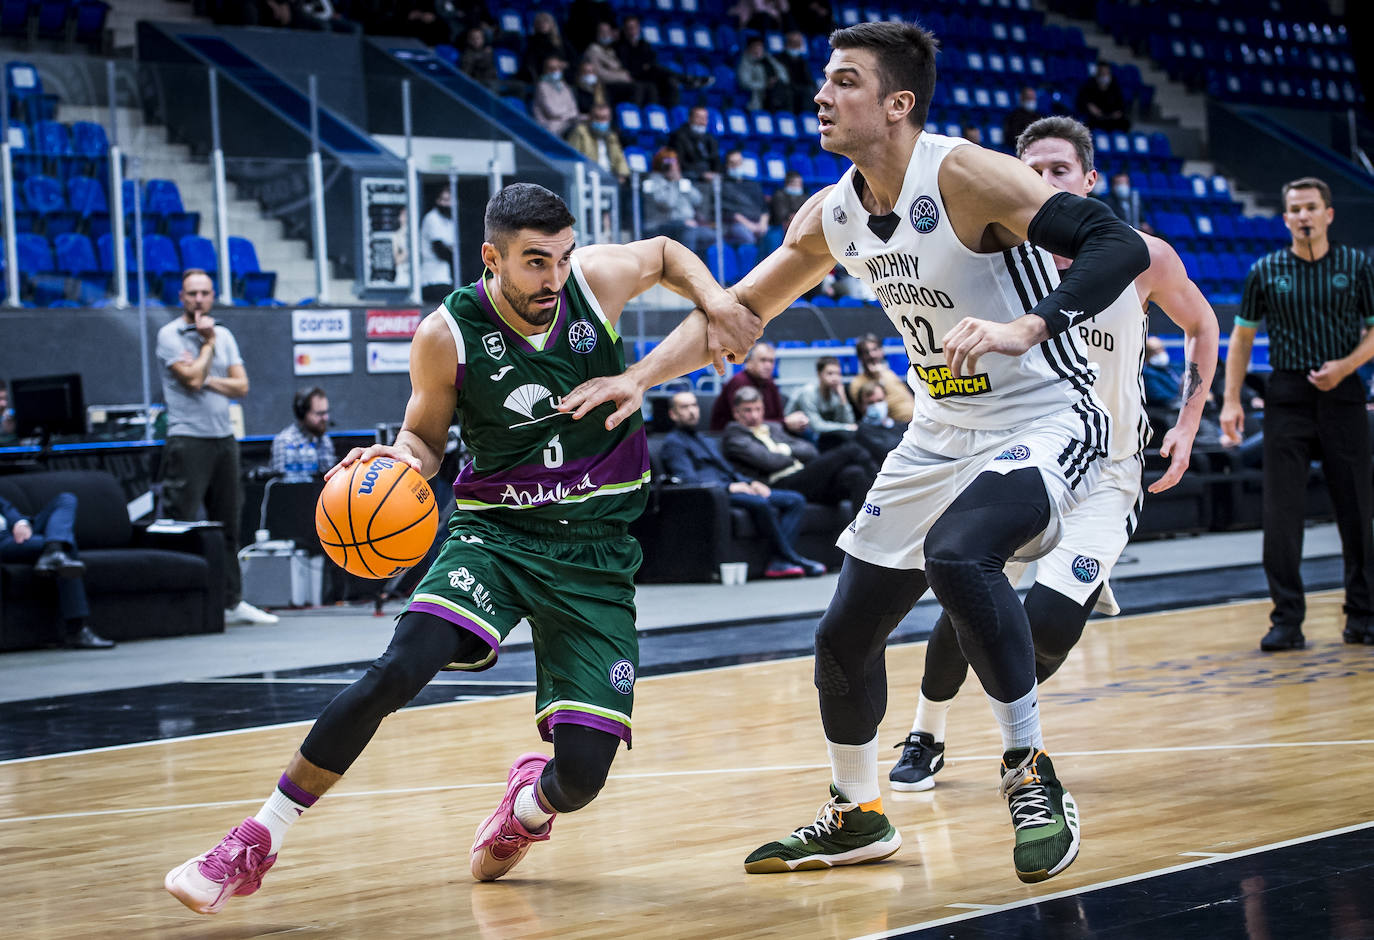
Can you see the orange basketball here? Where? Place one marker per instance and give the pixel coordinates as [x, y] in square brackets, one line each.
[376, 518]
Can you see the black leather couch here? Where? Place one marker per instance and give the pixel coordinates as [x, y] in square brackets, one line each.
[688, 531]
[140, 584]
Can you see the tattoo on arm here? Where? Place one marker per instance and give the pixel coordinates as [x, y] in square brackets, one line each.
[1192, 382]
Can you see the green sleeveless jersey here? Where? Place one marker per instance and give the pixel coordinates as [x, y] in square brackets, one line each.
[530, 461]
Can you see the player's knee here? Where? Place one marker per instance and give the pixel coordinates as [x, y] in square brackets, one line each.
[831, 677]
[392, 682]
[573, 779]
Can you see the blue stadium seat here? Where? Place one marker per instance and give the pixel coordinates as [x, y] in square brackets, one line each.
[44, 198]
[250, 282]
[53, 146]
[76, 258]
[736, 123]
[628, 118]
[104, 250]
[724, 265]
[746, 256]
[656, 119]
[197, 252]
[638, 159]
[28, 101]
[38, 270]
[52, 19]
[161, 198]
[161, 265]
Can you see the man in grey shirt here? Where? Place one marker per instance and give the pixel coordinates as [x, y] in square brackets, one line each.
[201, 371]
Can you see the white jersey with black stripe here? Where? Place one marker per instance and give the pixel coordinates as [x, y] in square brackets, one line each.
[927, 281]
[1115, 341]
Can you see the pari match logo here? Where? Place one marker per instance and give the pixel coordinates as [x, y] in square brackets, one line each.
[925, 215]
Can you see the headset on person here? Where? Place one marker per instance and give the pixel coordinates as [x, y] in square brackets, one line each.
[300, 405]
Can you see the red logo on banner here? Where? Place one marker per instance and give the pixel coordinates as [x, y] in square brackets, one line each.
[392, 324]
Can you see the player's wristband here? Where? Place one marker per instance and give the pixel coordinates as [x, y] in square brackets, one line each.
[1107, 256]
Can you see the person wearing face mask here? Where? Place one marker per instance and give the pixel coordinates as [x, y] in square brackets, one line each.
[436, 249]
[799, 75]
[673, 206]
[742, 206]
[554, 106]
[1027, 113]
[596, 140]
[1162, 380]
[603, 62]
[697, 150]
[588, 91]
[763, 77]
[786, 200]
[1123, 199]
[1101, 102]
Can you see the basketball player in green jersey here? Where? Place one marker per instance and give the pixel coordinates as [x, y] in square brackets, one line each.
[540, 529]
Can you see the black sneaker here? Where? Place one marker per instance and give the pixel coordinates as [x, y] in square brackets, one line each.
[1358, 629]
[1283, 637]
[921, 760]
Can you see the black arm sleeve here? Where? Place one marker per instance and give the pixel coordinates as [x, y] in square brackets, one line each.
[1107, 256]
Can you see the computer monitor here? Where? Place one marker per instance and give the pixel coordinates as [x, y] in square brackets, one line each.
[48, 404]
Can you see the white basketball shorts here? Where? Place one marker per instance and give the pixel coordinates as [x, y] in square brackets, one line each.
[934, 463]
[1095, 533]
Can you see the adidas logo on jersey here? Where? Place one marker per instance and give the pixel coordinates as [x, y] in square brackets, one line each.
[851, 251]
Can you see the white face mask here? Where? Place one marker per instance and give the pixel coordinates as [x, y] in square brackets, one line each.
[1122, 190]
[876, 411]
[793, 190]
[1160, 359]
[735, 172]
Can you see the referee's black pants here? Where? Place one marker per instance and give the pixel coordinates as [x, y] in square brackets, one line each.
[1301, 424]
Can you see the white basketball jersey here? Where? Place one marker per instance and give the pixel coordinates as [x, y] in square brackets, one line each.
[1115, 340]
[927, 281]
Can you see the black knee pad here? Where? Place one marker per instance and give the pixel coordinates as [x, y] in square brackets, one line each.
[962, 585]
[830, 675]
[582, 759]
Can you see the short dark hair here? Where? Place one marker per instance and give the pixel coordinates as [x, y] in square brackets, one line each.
[192, 272]
[1063, 128]
[524, 206]
[906, 58]
[825, 361]
[1307, 182]
[868, 339]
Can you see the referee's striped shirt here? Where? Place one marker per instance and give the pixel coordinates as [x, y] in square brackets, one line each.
[1315, 311]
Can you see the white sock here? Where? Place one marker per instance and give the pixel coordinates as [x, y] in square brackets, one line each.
[278, 814]
[930, 717]
[531, 813]
[1019, 721]
[854, 768]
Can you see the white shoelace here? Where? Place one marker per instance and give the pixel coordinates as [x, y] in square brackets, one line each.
[1030, 804]
[827, 819]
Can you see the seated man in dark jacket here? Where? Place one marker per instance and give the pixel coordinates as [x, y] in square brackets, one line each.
[49, 541]
[690, 458]
[765, 451]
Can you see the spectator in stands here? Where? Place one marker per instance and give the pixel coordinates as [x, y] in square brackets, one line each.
[1162, 380]
[800, 79]
[765, 451]
[972, 133]
[49, 541]
[436, 249]
[874, 368]
[761, 16]
[620, 85]
[758, 375]
[201, 372]
[1316, 299]
[544, 41]
[1027, 113]
[588, 91]
[828, 414]
[302, 451]
[419, 18]
[596, 140]
[555, 106]
[641, 61]
[1123, 199]
[786, 200]
[763, 77]
[690, 457]
[478, 62]
[584, 17]
[1101, 102]
[673, 205]
[742, 206]
[698, 150]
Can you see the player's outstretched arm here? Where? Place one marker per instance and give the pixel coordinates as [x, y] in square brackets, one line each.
[794, 268]
[617, 273]
[433, 396]
[1169, 288]
[992, 197]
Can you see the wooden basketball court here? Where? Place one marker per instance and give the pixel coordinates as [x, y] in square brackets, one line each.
[1179, 739]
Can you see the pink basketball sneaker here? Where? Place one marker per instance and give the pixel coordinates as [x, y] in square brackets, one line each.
[235, 866]
[501, 840]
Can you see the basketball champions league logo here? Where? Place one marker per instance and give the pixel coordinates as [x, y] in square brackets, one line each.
[925, 215]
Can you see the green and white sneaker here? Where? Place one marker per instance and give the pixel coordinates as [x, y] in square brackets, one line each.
[1042, 812]
[843, 834]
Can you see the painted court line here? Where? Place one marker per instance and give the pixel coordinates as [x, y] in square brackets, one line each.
[1128, 879]
[521, 683]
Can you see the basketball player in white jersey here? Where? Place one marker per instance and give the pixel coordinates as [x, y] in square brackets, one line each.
[1072, 579]
[1006, 438]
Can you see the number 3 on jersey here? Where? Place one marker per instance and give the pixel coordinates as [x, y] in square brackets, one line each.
[553, 453]
[914, 330]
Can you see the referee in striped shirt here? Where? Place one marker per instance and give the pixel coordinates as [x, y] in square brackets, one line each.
[1317, 300]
